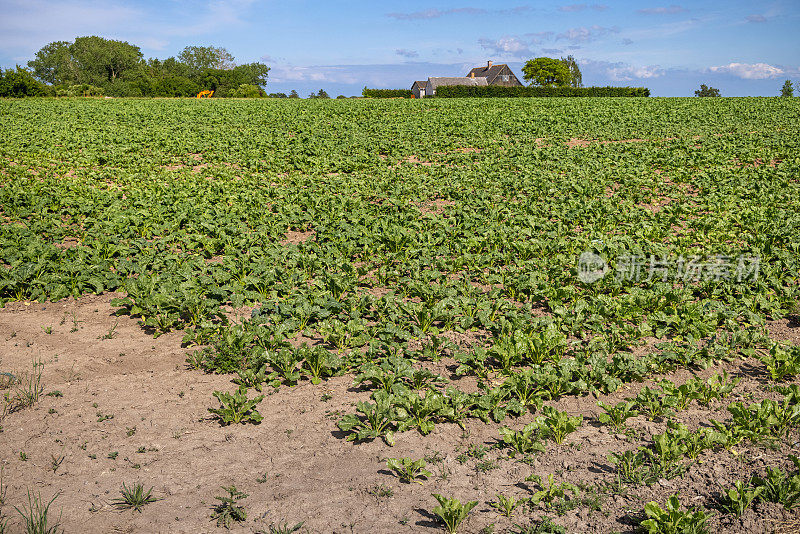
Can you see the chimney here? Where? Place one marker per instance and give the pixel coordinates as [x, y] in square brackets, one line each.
[488, 64]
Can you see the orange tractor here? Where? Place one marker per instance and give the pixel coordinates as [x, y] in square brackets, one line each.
[205, 94]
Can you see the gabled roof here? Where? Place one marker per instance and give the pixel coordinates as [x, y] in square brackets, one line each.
[490, 73]
[437, 82]
[421, 84]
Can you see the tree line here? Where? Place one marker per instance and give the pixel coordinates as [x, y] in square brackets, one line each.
[93, 66]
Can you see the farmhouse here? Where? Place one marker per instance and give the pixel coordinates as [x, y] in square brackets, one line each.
[495, 75]
[489, 75]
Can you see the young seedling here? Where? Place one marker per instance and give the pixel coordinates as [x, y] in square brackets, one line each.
[780, 487]
[551, 491]
[452, 512]
[523, 441]
[229, 510]
[408, 470]
[251, 378]
[376, 421]
[237, 408]
[739, 498]
[673, 520]
[135, 497]
[506, 505]
[557, 425]
[616, 415]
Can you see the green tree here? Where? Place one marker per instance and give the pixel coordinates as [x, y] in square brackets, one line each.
[199, 58]
[54, 64]
[706, 91]
[322, 94]
[100, 60]
[546, 72]
[787, 89]
[294, 94]
[575, 76]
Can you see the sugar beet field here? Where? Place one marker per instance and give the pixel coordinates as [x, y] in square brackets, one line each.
[379, 316]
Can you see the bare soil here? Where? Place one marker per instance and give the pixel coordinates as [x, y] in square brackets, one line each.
[129, 411]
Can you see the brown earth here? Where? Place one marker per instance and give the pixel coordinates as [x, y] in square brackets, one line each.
[124, 392]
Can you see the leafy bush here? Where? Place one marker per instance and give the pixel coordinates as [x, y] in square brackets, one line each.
[19, 82]
[498, 91]
[247, 90]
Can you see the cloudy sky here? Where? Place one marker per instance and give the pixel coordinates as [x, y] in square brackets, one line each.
[740, 47]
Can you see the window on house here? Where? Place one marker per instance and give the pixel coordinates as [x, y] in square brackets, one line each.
[506, 77]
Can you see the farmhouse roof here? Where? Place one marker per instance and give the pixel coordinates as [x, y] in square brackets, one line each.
[437, 82]
[422, 84]
[490, 72]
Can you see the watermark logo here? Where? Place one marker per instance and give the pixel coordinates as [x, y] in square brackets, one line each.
[691, 269]
[591, 267]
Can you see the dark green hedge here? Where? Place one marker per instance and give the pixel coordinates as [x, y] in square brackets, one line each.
[492, 91]
[386, 93]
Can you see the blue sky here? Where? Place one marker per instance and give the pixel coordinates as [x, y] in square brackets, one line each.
[742, 48]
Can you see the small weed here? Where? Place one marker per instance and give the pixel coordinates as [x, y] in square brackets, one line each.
[380, 491]
[129, 431]
[229, 510]
[23, 456]
[113, 455]
[112, 332]
[56, 461]
[284, 528]
[135, 497]
[36, 516]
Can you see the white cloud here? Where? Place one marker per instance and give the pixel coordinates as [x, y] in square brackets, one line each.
[506, 46]
[585, 34]
[328, 74]
[625, 73]
[756, 18]
[748, 71]
[404, 52]
[670, 10]
[582, 7]
[434, 13]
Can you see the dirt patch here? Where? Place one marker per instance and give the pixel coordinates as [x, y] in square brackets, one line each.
[436, 207]
[785, 330]
[129, 411]
[68, 242]
[296, 237]
[582, 143]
